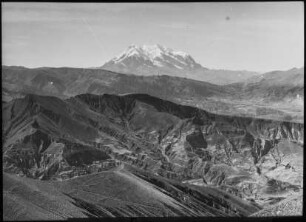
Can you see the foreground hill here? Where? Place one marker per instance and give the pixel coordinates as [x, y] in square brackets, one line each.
[125, 192]
[49, 138]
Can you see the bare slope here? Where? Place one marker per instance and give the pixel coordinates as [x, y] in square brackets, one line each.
[254, 159]
[120, 192]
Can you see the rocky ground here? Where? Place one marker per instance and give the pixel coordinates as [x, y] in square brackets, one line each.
[292, 206]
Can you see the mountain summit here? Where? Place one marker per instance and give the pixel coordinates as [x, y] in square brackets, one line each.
[141, 59]
[150, 60]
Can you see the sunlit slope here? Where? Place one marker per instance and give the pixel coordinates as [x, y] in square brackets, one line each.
[119, 192]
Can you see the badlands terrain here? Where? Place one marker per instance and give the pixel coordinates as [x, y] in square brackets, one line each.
[102, 142]
[189, 162]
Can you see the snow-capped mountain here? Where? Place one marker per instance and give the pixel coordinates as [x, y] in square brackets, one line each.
[138, 59]
[158, 60]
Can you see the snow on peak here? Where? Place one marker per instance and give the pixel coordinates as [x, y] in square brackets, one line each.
[151, 52]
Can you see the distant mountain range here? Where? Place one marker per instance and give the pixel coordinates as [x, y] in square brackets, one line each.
[158, 60]
[274, 85]
[66, 82]
[293, 77]
[227, 99]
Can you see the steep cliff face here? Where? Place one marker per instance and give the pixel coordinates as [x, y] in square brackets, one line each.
[183, 143]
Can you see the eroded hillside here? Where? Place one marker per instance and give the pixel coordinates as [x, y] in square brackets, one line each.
[256, 160]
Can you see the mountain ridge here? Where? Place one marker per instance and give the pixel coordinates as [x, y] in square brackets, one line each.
[67, 82]
[288, 84]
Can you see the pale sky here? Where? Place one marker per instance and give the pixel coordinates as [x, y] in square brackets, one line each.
[258, 36]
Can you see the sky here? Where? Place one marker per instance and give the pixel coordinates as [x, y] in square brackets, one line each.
[258, 36]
